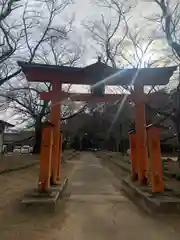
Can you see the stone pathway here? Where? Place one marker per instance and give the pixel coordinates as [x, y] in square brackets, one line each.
[97, 210]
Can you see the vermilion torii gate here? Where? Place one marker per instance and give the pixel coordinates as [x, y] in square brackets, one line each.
[99, 75]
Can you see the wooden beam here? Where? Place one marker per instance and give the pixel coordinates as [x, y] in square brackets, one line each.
[38, 76]
[55, 119]
[60, 155]
[141, 138]
[133, 156]
[81, 97]
[45, 158]
[156, 171]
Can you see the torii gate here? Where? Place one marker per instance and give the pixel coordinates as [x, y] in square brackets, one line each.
[99, 75]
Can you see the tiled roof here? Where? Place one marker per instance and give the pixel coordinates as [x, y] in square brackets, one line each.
[6, 124]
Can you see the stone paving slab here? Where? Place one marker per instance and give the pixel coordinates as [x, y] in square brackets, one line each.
[35, 197]
[156, 203]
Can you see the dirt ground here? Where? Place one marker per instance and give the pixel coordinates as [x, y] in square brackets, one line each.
[15, 222]
[15, 161]
[95, 208]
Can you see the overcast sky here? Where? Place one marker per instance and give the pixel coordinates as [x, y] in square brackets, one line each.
[86, 10]
[143, 9]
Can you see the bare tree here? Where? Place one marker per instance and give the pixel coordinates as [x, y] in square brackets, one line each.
[51, 46]
[30, 111]
[8, 40]
[26, 104]
[121, 46]
[10, 35]
[116, 43]
[170, 20]
[105, 31]
[20, 39]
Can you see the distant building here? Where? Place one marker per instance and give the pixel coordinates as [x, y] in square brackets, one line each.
[12, 139]
[3, 126]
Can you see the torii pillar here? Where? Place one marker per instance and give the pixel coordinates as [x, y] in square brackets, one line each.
[133, 155]
[60, 154]
[55, 120]
[141, 138]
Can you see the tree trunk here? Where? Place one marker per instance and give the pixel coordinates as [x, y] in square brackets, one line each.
[178, 149]
[38, 133]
